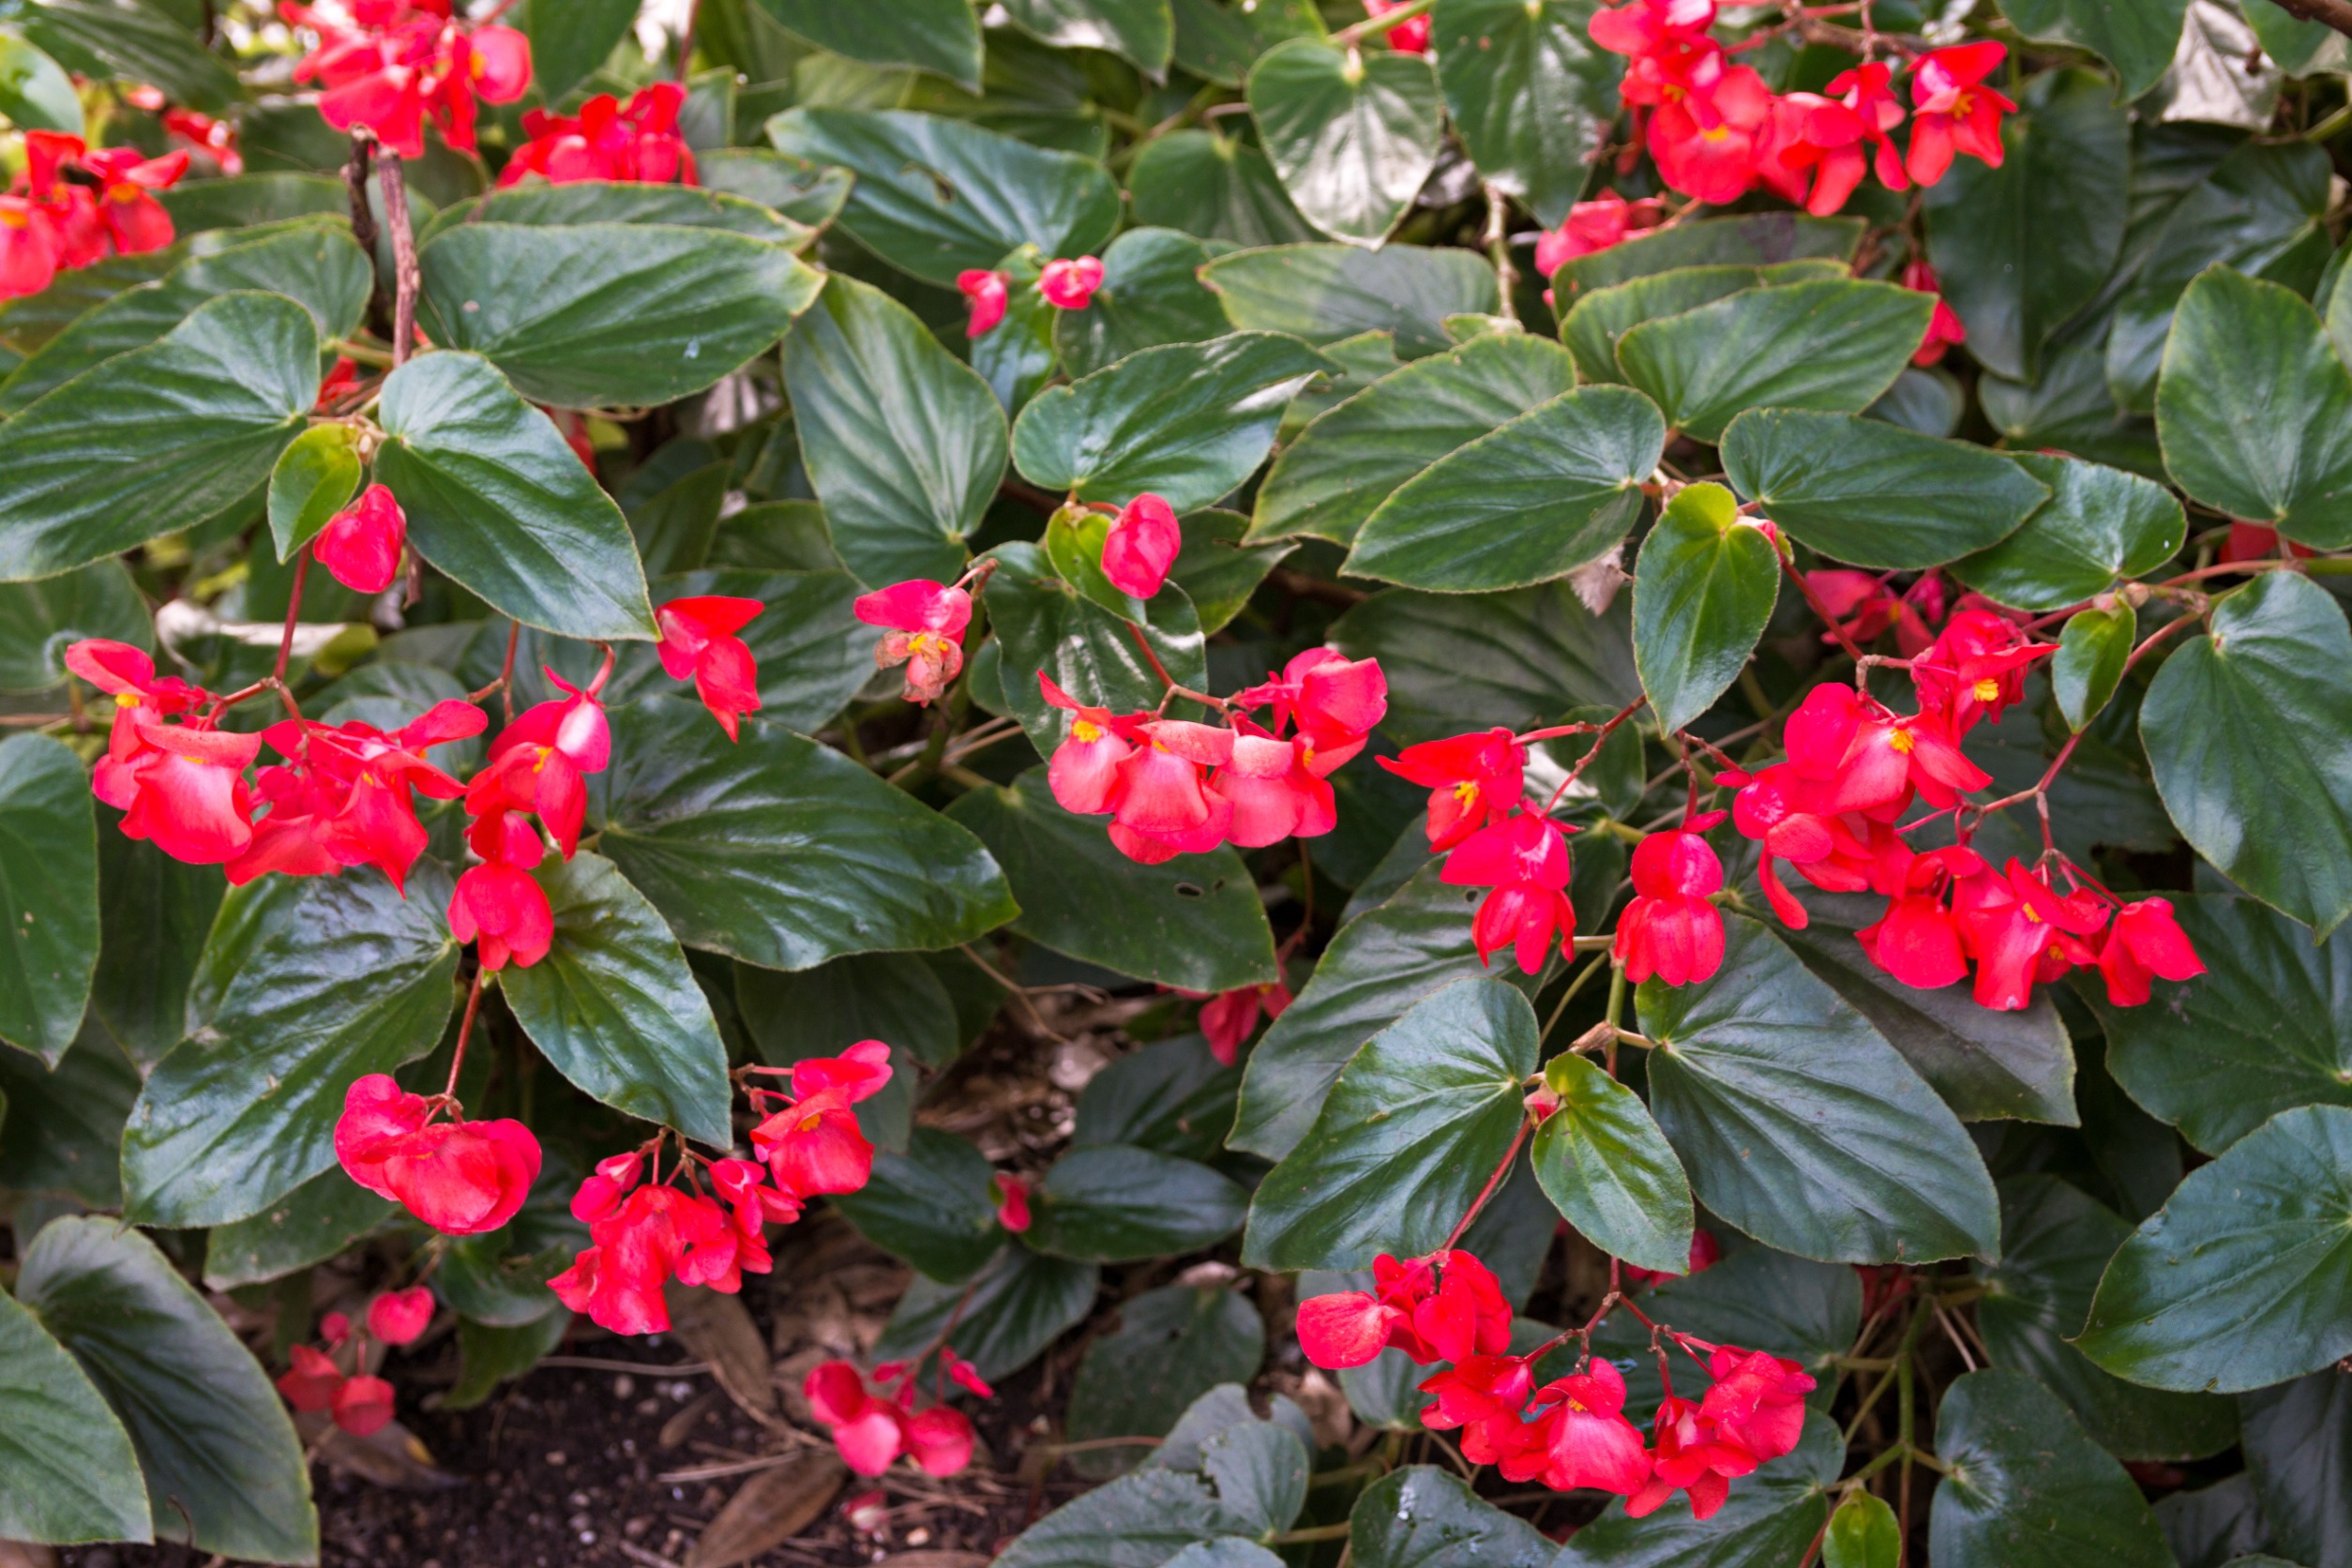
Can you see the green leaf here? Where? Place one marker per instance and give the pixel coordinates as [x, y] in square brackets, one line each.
[134, 44]
[1217, 570]
[2027, 1488]
[2139, 40]
[1353, 456]
[70, 1473]
[220, 1456]
[2099, 524]
[1769, 1521]
[307, 1227]
[807, 193]
[1185, 421]
[63, 1128]
[36, 94]
[935, 196]
[40, 621]
[1150, 294]
[896, 997]
[1532, 95]
[2293, 44]
[1173, 1096]
[904, 444]
[1873, 493]
[1418, 1120]
[1217, 1411]
[498, 501]
[1863, 1534]
[155, 914]
[1353, 133]
[1608, 1168]
[1756, 239]
[28, 322]
[2214, 1523]
[316, 479]
[674, 524]
[1421, 1516]
[2237, 1282]
[2054, 1244]
[489, 1356]
[570, 41]
[1142, 32]
[158, 439]
[598, 315]
[1173, 1345]
[1044, 624]
[613, 1007]
[1703, 592]
[49, 894]
[1832, 345]
[2239, 730]
[1600, 316]
[1800, 1125]
[348, 979]
[2254, 406]
[1193, 922]
[1017, 1307]
[1520, 659]
[2293, 1447]
[1150, 1519]
[941, 37]
[1985, 1064]
[1215, 186]
[2022, 248]
[242, 201]
[1111, 1203]
[2094, 650]
[1805, 1312]
[1324, 293]
[537, 204]
[929, 1206]
[1553, 490]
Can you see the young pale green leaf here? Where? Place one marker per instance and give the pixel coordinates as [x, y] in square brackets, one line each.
[49, 894]
[1353, 456]
[1173, 1345]
[1863, 1534]
[1523, 658]
[67, 1470]
[1216, 188]
[1756, 239]
[2099, 524]
[1553, 490]
[929, 1206]
[1755, 1298]
[1421, 1516]
[1187, 422]
[781, 851]
[1704, 589]
[1045, 625]
[936, 196]
[316, 479]
[1610, 1171]
[1112, 1203]
[2238, 1282]
[1532, 95]
[1418, 1120]
[601, 315]
[36, 94]
[1873, 493]
[614, 1009]
[158, 439]
[1353, 133]
[2093, 652]
[1769, 1521]
[2139, 40]
[2293, 1447]
[1150, 294]
[2254, 409]
[1142, 32]
[1217, 570]
[220, 1456]
[904, 444]
[2022, 248]
[941, 37]
[1324, 293]
[2054, 1244]
[2027, 1488]
[1600, 316]
[1799, 1125]
[61, 1130]
[1194, 922]
[896, 997]
[496, 500]
[1834, 345]
[307, 1227]
[155, 914]
[40, 620]
[1014, 1308]
[2241, 728]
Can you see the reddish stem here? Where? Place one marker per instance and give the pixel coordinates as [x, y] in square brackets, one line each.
[1813, 600]
[465, 1031]
[1493, 1182]
[1600, 738]
[293, 614]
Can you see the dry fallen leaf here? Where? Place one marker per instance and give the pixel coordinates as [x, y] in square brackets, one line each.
[718, 1330]
[20, 1554]
[771, 1508]
[933, 1559]
[392, 1455]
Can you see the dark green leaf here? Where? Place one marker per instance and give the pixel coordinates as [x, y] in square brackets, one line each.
[157, 439]
[938, 35]
[896, 997]
[49, 899]
[1703, 591]
[2099, 524]
[1610, 1171]
[70, 1474]
[36, 94]
[2139, 40]
[498, 501]
[31, 319]
[812, 651]
[1217, 39]
[1418, 1120]
[155, 914]
[348, 978]
[307, 1227]
[1194, 922]
[2296, 1453]
[2240, 733]
[904, 445]
[1532, 95]
[1218, 1410]
[2094, 650]
[2027, 1488]
[1769, 1521]
[1863, 1534]
[570, 41]
[1600, 316]
[2070, 409]
[1217, 571]
[1756, 239]
[1421, 1516]
[1174, 1096]
[213, 1440]
[63, 1128]
[135, 44]
[247, 199]
[1259, 1469]
[1020, 1304]
[547, 206]
[1143, 1520]
[1184, 421]
[1150, 294]
[2217, 1524]
[1215, 186]
[1112, 1203]
[1324, 293]
[1755, 1298]
[1353, 133]
[781, 851]
[489, 1356]
[930, 1206]
[1800, 1125]
[1549, 492]
[1044, 624]
[1172, 1346]
[674, 525]
[1016, 357]
[1142, 31]
[777, 537]
[809, 194]
[935, 196]
[1873, 494]
[40, 621]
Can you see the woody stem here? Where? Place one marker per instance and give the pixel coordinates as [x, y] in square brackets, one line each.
[406, 277]
[363, 218]
[465, 1031]
[1502, 1170]
[1498, 251]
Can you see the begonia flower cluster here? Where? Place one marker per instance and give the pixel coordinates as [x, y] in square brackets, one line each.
[462, 1178]
[871, 1426]
[924, 622]
[390, 66]
[1064, 283]
[73, 206]
[637, 142]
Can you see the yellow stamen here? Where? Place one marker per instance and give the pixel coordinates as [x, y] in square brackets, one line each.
[126, 700]
[1086, 731]
[1901, 740]
[1987, 689]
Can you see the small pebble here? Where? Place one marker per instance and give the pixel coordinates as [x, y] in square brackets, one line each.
[623, 1386]
[556, 1457]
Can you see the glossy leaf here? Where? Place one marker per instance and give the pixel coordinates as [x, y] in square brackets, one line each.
[938, 35]
[1758, 1299]
[40, 621]
[36, 94]
[63, 1127]
[1173, 1345]
[1753, 239]
[2027, 1488]
[2139, 40]
[930, 1206]
[2094, 650]
[49, 894]
[1768, 1520]
[71, 1473]
[1215, 186]
[1600, 316]
[904, 445]
[1324, 293]
[1142, 32]
[1044, 624]
[1800, 1125]
[1421, 1516]
[536, 204]
[569, 42]
[2239, 729]
[1144, 1521]
[896, 997]
[307, 1227]
[1873, 494]
[153, 914]
[806, 193]
[2099, 524]
[1607, 1168]
[316, 478]
[782, 852]
[1020, 1304]
[498, 501]
[1112, 1203]
[1351, 132]
[1150, 294]
[1417, 1121]
[1704, 589]
[1174, 1096]
[2295, 1455]
[1863, 1534]
[1217, 571]
[1532, 95]
[812, 651]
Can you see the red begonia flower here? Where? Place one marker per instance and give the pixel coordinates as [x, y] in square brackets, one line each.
[335, 1328]
[1758, 1403]
[940, 1439]
[924, 624]
[1670, 929]
[1272, 793]
[1012, 1201]
[1141, 546]
[1409, 36]
[965, 1374]
[699, 641]
[1070, 284]
[1471, 779]
[1704, 1253]
[1690, 1456]
[2146, 943]
[1587, 1440]
[1943, 327]
[1976, 668]
[398, 1317]
[1868, 90]
[1812, 152]
[363, 1406]
[28, 249]
[360, 546]
[1084, 772]
[506, 910]
[310, 1383]
[1229, 1018]
[986, 295]
[1524, 858]
[463, 1178]
[635, 143]
[814, 1145]
[1336, 702]
[191, 800]
[1605, 220]
[1955, 113]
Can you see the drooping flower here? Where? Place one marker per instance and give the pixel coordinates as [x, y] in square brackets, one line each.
[924, 624]
[363, 1406]
[2146, 943]
[1944, 329]
[1954, 111]
[986, 296]
[360, 546]
[1812, 152]
[187, 792]
[1605, 220]
[1447, 1306]
[1704, 1253]
[309, 1384]
[28, 249]
[1083, 772]
[462, 1178]
[348, 796]
[1012, 1200]
[1141, 546]
[658, 1233]
[1070, 284]
[870, 1431]
[2015, 925]
[505, 910]
[1471, 779]
[698, 642]
[1586, 1440]
[539, 762]
[1690, 1456]
[1524, 859]
[1336, 702]
[1671, 930]
[813, 1145]
[1757, 1402]
[1976, 668]
[1229, 1018]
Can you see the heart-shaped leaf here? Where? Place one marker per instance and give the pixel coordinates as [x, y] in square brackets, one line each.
[1173, 1345]
[2138, 41]
[40, 620]
[1703, 591]
[2099, 524]
[49, 894]
[1755, 239]
[1532, 95]
[1014, 1308]
[1150, 294]
[1174, 1096]
[1607, 1168]
[316, 479]
[2027, 1488]
[1215, 186]
[1863, 1534]
[2094, 651]
[306, 1227]
[1599, 317]
[1353, 133]
[1420, 1515]
[1142, 32]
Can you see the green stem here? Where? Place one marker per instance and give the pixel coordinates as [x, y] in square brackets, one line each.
[1348, 37]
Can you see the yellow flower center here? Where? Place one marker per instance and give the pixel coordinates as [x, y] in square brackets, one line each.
[126, 700]
[1901, 740]
[1466, 792]
[1987, 689]
[2032, 916]
[1086, 731]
